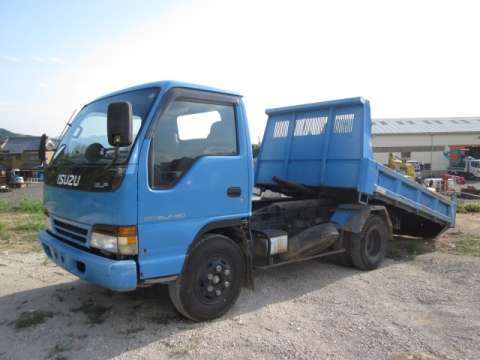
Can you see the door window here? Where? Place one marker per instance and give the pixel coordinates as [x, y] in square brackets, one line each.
[187, 131]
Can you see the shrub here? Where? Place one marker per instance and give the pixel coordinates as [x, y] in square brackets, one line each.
[468, 208]
[461, 209]
[473, 207]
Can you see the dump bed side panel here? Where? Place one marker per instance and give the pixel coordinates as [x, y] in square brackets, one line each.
[317, 145]
[328, 145]
[394, 187]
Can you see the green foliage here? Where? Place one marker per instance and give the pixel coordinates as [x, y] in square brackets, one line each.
[35, 224]
[255, 150]
[408, 248]
[469, 245]
[4, 205]
[468, 208]
[31, 318]
[475, 208]
[96, 313]
[30, 206]
[461, 209]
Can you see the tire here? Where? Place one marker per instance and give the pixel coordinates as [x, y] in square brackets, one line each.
[368, 248]
[211, 280]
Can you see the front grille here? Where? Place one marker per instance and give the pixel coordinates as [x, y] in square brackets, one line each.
[70, 231]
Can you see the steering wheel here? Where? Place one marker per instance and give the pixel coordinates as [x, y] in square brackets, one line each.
[95, 152]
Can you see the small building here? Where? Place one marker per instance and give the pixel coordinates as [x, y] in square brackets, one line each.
[432, 141]
[22, 153]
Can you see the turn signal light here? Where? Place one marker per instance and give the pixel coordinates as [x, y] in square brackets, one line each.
[122, 240]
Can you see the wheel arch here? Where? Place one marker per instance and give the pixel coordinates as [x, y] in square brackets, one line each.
[228, 228]
[236, 229]
[352, 217]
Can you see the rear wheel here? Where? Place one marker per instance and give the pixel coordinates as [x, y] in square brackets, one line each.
[368, 248]
[211, 280]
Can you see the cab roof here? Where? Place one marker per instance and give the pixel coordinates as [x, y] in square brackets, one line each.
[169, 84]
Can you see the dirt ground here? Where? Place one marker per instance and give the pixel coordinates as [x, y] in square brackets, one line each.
[414, 307]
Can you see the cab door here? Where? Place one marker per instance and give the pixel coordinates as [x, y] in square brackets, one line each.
[194, 170]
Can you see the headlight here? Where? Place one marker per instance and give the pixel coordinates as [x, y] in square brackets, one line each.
[49, 220]
[50, 224]
[121, 240]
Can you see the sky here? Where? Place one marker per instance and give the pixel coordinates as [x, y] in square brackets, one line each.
[409, 58]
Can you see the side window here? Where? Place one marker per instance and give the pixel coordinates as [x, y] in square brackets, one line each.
[186, 131]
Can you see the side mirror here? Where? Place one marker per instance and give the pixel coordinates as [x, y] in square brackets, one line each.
[119, 124]
[42, 149]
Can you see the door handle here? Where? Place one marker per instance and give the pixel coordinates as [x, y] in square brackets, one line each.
[234, 191]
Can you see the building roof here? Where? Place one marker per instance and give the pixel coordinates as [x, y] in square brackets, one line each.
[17, 145]
[426, 125]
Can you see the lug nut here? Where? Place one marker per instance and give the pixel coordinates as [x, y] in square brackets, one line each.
[210, 288]
[218, 292]
[227, 284]
[227, 272]
[210, 276]
[216, 279]
[218, 268]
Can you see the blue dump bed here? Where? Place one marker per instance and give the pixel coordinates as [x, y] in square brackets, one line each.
[328, 145]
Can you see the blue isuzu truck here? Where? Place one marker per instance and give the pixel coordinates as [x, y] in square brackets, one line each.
[154, 184]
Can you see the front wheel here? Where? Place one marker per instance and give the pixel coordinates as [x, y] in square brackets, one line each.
[369, 247]
[211, 280]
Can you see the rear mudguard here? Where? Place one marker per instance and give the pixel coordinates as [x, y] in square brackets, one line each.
[352, 217]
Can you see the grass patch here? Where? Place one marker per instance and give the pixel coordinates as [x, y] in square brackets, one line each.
[19, 231]
[401, 248]
[4, 205]
[34, 224]
[57, 351]
[468, 208]
[30, 206]
[25, 205]
[95, 312]
[20, 225]
[132, 331]
[3, 229]
[467, 245]
[31, 318]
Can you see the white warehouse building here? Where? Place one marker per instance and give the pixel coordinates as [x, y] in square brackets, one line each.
[427, 140]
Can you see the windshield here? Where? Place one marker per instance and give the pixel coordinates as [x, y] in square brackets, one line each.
[90, 127]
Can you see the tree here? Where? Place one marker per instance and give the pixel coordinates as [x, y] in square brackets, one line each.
[255, 150]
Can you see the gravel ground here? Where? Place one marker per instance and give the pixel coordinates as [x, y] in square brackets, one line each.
[32, 191]
[427, 308]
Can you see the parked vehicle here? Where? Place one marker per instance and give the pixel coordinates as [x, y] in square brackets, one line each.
[153, 184]
[4, 188]
[402, 166]
[418, 165]
[468, 167]
[470, 192]
[16, 181]
[447, 184]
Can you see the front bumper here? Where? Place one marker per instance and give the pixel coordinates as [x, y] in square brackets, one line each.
[118, 275]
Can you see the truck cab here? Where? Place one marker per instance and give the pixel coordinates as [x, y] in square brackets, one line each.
[120, 217]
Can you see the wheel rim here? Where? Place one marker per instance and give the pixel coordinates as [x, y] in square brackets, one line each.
[374, 243]
[214, 282]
